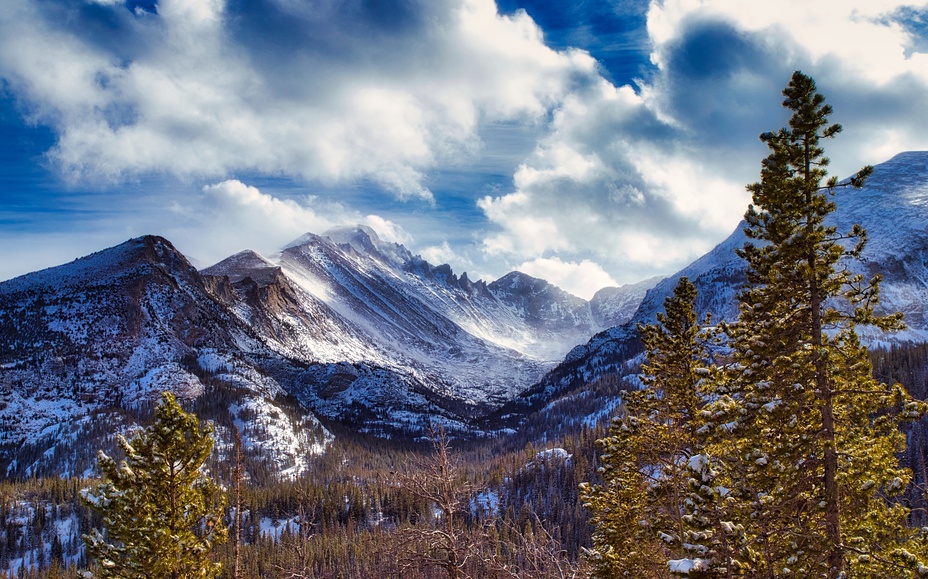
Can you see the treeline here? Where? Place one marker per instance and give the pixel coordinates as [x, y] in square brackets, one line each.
[346, 517]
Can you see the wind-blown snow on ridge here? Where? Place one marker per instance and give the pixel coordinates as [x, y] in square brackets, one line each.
[354, 329]
[350, 327]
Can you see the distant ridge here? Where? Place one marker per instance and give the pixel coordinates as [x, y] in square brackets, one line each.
[349, 327]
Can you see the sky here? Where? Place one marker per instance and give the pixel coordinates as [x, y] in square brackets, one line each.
[589, 143]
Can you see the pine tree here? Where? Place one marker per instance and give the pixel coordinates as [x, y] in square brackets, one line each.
[638, 510]
[807, 440]
[161, 513]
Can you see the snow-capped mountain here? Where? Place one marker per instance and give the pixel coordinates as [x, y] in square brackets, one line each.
[893, 208]
[351, 328]
[387, 289]
[346, 327]
[84, 345]
[615, 306]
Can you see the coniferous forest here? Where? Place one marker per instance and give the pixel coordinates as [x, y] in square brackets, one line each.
[772, 446]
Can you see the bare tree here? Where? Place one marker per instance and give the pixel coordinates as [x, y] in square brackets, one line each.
[442, 540]
[540, 555]
[238, 476]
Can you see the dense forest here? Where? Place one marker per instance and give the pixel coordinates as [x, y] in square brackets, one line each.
[351, 514]
[346, 516]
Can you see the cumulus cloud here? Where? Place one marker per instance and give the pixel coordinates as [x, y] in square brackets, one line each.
[440, 254]
[611, 180]
[244, 207]
[581, 279]
[644, 180]
[232, 216]
[333, 92]
[635, 180]
[722, 64]
[387, 230]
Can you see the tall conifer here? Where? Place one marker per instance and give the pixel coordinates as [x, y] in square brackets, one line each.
[161, 514]
[806, 437]
[638, 510]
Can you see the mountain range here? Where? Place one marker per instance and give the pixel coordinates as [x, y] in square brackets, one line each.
[344, 329]
[342, 326]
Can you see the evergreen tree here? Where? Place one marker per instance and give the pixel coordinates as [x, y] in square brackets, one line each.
[638, 510]
[806, 439]
[162, 514]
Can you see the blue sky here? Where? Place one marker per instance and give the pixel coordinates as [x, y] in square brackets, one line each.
[588, 143]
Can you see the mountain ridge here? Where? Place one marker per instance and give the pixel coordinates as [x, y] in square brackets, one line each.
[344, 327]
[353, 329]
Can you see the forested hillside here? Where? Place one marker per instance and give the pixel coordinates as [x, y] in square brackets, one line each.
[345, 513]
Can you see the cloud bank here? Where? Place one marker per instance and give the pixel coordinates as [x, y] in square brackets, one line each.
[645, 180]
[330, 91]
[624, 179]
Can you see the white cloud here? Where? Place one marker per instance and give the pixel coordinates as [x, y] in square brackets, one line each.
[439, 254]
[612, 181]
[233, 216]
[861, 34]
[387, 230]
[867, 60]
[528, 229]
[646, 180]
[582, 279]
[194, 95]
[636, 181]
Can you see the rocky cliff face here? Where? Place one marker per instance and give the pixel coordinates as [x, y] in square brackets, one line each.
[84, 345]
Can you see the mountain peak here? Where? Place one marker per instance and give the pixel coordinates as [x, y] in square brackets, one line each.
[244, 265]
[517, 282]
[236, 265]
[305, 239]
[350, 234]
[108, 263]
[541, 301]
[365, 241]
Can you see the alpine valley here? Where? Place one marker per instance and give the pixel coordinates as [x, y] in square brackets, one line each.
[345, 331]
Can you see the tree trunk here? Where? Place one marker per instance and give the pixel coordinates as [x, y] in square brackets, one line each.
[835, 556]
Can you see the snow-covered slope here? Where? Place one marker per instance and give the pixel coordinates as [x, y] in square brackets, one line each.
[892, 207]
[354, 329]
[615, 306]
[378, 283]
[467, 340]
[83, 343]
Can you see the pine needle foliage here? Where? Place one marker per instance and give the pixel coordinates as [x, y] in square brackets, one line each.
[806, 439]
[162, 515]
[638, 510]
